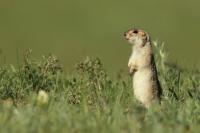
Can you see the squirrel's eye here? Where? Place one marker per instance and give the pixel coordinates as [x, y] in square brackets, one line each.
[135, 31]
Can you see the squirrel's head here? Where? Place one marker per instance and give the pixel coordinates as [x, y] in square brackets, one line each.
[137, 36]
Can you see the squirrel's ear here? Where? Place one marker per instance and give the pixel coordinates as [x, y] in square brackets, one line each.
[143, 33]
[148, 37]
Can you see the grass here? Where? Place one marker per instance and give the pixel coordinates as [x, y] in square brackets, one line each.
[89, 100]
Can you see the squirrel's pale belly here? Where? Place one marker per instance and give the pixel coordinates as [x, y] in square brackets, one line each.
[143, 85]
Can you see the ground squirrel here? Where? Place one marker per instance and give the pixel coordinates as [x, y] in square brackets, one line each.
[142, 66]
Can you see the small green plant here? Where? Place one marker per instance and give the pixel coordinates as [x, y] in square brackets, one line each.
[41, 75]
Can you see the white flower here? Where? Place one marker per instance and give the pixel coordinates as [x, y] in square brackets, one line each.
[42, 98]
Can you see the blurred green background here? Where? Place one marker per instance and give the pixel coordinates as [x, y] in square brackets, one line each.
[73, 29]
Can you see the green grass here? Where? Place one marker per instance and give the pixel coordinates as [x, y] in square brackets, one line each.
[90, 100]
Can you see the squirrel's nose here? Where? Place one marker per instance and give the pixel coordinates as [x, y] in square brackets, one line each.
[125, 35]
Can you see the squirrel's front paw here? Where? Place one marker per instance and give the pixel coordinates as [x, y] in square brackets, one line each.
[132, 68]
[132, 71]
[130, 65]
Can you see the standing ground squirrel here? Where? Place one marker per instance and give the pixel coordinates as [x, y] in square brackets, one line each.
[142, 66]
